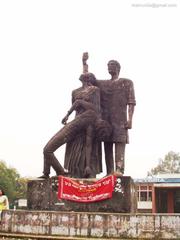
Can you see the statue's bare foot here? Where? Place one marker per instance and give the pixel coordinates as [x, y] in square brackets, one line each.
[64, 173]
[44, 176]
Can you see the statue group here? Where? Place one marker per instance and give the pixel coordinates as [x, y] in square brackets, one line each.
[104, 111]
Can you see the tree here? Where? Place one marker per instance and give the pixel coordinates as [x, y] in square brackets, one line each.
[10, 181]
[21, 188]
[170, 164]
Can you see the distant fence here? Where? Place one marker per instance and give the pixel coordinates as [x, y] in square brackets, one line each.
[91, 225]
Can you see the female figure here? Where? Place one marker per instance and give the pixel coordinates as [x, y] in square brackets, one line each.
[83, 153]
[79, 133]
[4, 203]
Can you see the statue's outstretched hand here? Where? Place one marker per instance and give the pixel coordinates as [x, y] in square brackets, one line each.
[85, 57]
[64, 120]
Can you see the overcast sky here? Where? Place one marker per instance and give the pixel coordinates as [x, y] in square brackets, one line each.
[41, 44]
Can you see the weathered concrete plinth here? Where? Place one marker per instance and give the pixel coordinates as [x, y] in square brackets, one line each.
[42, 195]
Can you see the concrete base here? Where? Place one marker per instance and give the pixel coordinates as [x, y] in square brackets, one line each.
[42, 195]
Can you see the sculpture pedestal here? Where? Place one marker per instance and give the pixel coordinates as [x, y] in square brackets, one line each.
[42, 195]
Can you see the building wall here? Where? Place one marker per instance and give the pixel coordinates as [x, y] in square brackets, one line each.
[158, 197]
[163, 190]
[107, 225]
[145, 205]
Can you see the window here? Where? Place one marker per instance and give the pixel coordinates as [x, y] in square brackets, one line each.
[143, 196]
[144, 193]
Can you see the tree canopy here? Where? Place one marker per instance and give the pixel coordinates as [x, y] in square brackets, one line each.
[170, 164]
[10, 181]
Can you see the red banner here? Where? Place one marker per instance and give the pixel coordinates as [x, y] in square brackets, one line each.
[79, 192]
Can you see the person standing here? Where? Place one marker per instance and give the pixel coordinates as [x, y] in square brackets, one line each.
[4, 203]
[117, 106]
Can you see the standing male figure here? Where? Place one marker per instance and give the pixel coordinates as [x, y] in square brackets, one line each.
[117, 105]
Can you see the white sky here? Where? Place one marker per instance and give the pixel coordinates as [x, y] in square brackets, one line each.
[41, 44]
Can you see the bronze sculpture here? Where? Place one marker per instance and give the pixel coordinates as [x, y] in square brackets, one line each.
[117, 105]
[104, 111]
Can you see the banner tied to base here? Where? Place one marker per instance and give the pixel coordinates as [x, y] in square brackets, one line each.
[78, 191]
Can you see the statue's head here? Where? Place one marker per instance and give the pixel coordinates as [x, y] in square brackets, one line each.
[88, 78]
[114, 67]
